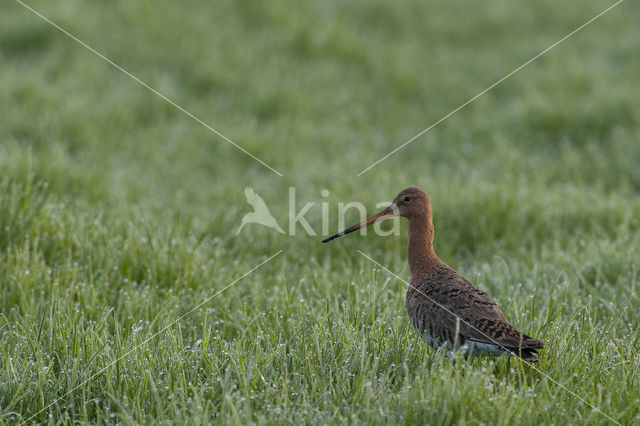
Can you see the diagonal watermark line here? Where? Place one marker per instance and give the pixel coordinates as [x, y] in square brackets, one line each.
[551, 379]
[180, 318]
[145, 85]
[590, 21]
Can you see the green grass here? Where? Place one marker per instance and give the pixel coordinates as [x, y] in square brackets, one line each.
[118, 213]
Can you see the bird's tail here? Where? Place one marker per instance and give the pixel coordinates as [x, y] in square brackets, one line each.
[528, 355]
[528, 349]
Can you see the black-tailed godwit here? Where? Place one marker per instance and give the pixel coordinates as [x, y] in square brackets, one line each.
[446, 309]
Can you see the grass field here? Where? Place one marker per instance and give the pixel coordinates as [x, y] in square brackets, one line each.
[119, 263]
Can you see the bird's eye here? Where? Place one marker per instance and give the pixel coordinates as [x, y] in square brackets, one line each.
[407, 199]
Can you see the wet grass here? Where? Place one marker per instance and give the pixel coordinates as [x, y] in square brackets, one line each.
[118, 213]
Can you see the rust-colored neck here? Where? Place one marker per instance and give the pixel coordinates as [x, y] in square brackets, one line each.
[421, 254]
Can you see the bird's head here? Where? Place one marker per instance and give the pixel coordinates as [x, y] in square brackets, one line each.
[411, 202]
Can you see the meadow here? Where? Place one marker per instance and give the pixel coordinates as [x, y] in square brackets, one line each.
[127, 297]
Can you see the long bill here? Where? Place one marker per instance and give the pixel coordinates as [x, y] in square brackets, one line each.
[388, 212]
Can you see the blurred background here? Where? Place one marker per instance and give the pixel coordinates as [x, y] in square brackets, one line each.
[319, 92]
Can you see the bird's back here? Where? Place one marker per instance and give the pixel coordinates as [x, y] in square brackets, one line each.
[446, 309]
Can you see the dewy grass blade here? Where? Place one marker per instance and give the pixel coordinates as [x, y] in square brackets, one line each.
[145, 341]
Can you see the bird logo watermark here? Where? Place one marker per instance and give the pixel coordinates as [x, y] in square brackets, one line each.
[297, 217]
[260, 214]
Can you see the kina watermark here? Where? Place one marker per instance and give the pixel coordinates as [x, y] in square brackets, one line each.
[298, 216]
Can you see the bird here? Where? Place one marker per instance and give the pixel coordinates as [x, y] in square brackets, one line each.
[261, 213]
[445, 309]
